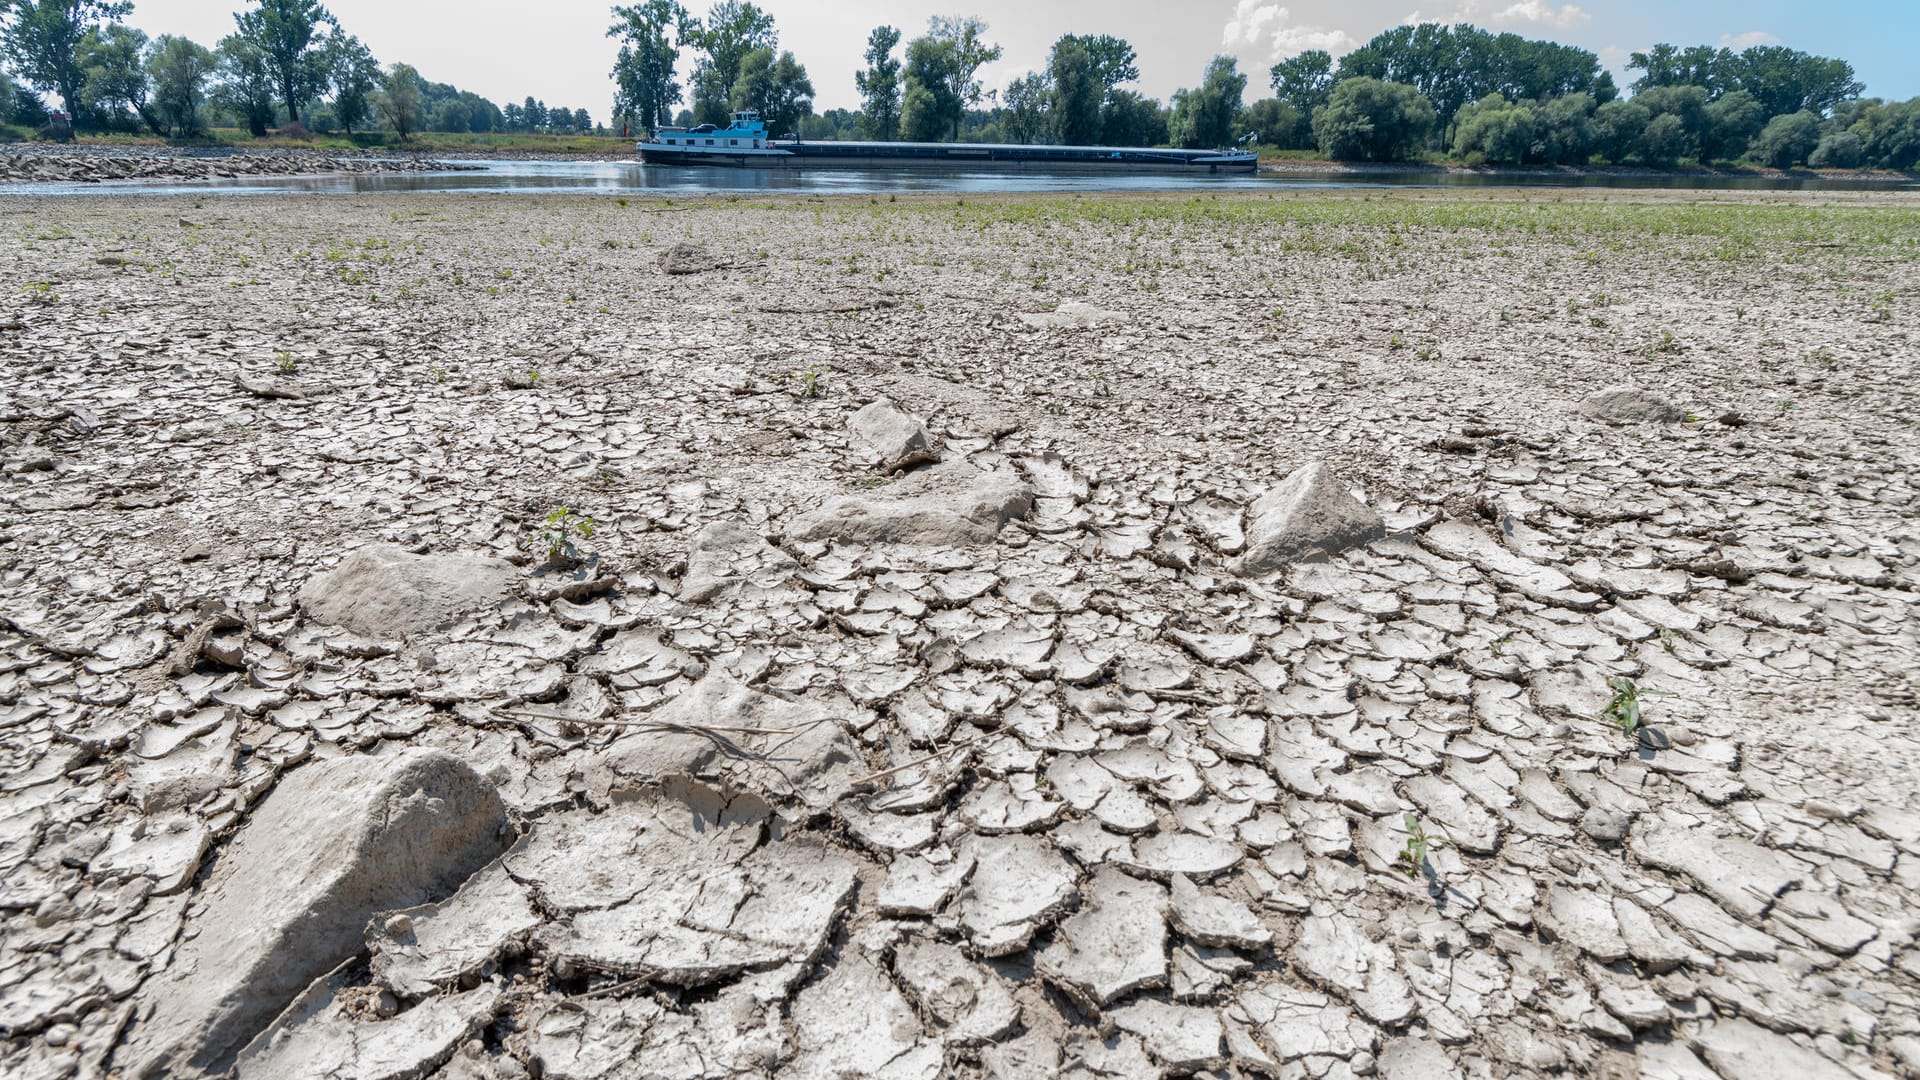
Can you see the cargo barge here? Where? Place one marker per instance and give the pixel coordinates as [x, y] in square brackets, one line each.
[744, 144]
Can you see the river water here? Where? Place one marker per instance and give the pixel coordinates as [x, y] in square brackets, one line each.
[634, 179]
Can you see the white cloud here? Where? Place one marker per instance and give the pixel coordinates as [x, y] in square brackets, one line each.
[1747, 40]
[1538, 11]
[1261, 24]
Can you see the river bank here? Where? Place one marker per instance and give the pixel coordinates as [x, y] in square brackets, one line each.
[1293, 633]
[80, 163]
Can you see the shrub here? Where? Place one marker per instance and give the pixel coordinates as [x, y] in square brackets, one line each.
[1786, 140]
[1371, 120]
[1840, 150]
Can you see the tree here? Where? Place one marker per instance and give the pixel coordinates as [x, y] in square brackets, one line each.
[114, 58]
[40, 38]
[879, 85]
[1076, 93]
[400, 100]
[354, 75]
[535, 112]
[928, 110]
[966, 53]
[1687, 104]
[583, 120]
[646, 90]
[1131, 119]
[731, 30]
[1026, 106]
[1205, 117]
[1782, 80]
[515, 117]
[1304, 81]
[1372, 120]
[1665, 140]
[246, 83]
[1566, 132]
[1496, 130]
[179, 70]
[1454, 65]
[775, 87]
[1732, 121]
[287, 33]
[1112, 59]
[1838, 150]
[1787, 140]
[1273, 120]
[1617, 129]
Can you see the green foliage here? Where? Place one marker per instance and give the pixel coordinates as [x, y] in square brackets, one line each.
[284, 362]
[809, 381]
[354, 75]
[1413, 857]
[1304, 81]
[1617, 129]
[114, 59]
[879, 85]
[288, 34]
[1206, 117]
[942, 76]
[1369, 120]
[1453, 65]
[1496, 131]
[1838, 150]
[399, 100]
[643, 73]
[560, 532]
[1782, 80]
[1132, 119]
[731, 30]
[246, 83]
[1788, 140]
[1076, 93]
[1665, 140]
[1277, 123]
[1733, 120]
[179, 69]
[1624, 710]
[778, 88]
[1027, 108]
[40, 41]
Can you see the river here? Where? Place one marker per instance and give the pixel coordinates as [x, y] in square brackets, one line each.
[634, 179]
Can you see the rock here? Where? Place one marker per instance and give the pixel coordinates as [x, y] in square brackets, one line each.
[1307, 512]
[1741, 1050]
[1075, 314]
[726, 553]
[319, 1035]
[1630, 405]
[952, 504]
[425, 948]
[682, 886]
[681, 259]
[803, 758]
[1410, 1057]
[1115, 944]
[290, 897]
[889, 432]
[1606, 826]
[381, 591]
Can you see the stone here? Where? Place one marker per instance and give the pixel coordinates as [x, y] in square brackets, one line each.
[890, 432]
[1603, 825]
[790, 752]
[726, 553]
[320, 1036]
[290, 897]
[948, 505]
[1742, 1050]
[1307, 512]
[382, 591]
[421, 949]
[1630, 405]
[1410, 1057]
[1114, 945]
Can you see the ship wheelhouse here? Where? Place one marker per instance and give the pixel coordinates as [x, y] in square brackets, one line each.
[746, 131]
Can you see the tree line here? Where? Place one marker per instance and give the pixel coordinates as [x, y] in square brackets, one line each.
[1410, 92]
[288, 65]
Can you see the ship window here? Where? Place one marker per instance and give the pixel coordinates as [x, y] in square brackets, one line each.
[709, 142]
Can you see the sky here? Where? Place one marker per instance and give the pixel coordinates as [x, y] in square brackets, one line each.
[557, 51]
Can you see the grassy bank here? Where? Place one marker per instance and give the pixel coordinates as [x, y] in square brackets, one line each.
[431, 143]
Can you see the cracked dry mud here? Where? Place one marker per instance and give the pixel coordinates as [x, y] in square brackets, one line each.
[1018, 638]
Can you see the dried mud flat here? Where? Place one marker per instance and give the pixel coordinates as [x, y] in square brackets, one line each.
[1017, 637]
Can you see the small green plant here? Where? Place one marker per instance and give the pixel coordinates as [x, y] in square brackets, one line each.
[286, 363]
[560, 532]
[809, 381]
[1665, 343]
[1396, 342]
[1428, 355]
[40, 292]
[533, 375]
[1623, 711]
[1668, 637]
[1413, 857]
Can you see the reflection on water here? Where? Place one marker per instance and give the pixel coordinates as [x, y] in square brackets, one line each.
[632, 178]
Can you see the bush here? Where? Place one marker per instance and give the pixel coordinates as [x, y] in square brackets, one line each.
[1664, 140]
[1786, 140]
[1618, 127]
[1840, 150]
[1370, 120]
[1496, 131]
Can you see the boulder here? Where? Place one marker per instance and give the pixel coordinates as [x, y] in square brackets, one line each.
[382, 591]
[723, 555]
[290, 897]
[1307, 512]
[891, 433]
[1631, 405]
[947, 505]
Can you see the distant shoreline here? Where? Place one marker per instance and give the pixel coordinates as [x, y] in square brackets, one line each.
[1304, 167]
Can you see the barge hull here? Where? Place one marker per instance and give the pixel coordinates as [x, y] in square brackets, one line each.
[956, 157]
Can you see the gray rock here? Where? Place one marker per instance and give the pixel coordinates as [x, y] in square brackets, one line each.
[1413, 1058]
[424, 948]
[381, 591]
[1606, 826]
[291, 896]
[319, 1035]
[947, 505]
[1307, 512]
[888, 431]
[1630, 405]
[1741, 1050]
[726, 553]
